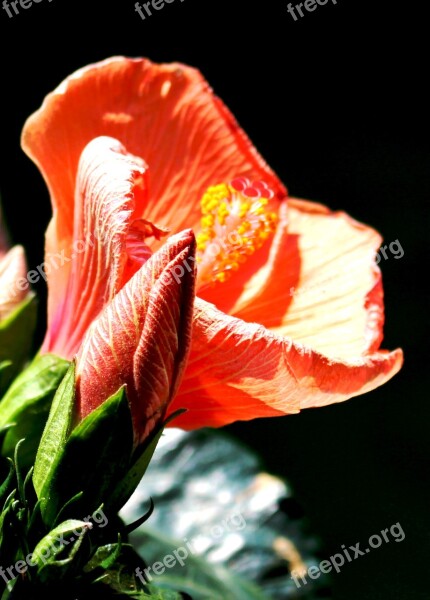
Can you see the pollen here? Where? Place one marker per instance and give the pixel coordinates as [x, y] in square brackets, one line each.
[237, 219]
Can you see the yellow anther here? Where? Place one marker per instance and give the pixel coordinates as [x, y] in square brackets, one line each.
[202, 240]
[208, 221]
[222, 213]
[244, 227]
[234, 225]
[244, 208]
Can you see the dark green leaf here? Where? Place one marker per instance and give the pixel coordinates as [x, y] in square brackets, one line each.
[6, 375]
[140, 463]
[16, 338]
[27, 403]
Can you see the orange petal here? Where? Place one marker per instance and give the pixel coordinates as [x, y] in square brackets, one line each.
[110, 189]
[166, 114]
[14, 286]
[240, 371]
[337, 304]
[142, 338]
[319, 284]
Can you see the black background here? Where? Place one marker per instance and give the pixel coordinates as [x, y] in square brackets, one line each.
[337, 104]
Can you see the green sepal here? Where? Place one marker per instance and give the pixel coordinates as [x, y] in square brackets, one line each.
[56, 433]
[94, 458]
[16, 337]
[140, 462]
[104, 557]
[56, 554]
[112, 571]
[26, 405]
[141, 520]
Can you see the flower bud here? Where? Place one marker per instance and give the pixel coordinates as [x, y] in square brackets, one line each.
[141, 339]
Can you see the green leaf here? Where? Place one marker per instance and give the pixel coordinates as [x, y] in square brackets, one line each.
[117, 577]
[16, 337]
[56, 432]
[105, 557]
[55, 554]
[93, 459]
[26, 405]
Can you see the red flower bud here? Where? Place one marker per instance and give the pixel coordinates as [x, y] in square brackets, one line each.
[142, 337]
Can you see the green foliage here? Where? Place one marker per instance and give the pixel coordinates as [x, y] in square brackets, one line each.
[56, 433]
[55, 556]
[25, 407]
[139, 464]
[47, 537]
[89, 458]
[16, 333]
[76, 558]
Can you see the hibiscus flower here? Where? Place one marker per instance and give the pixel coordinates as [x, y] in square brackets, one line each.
[289, 308]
